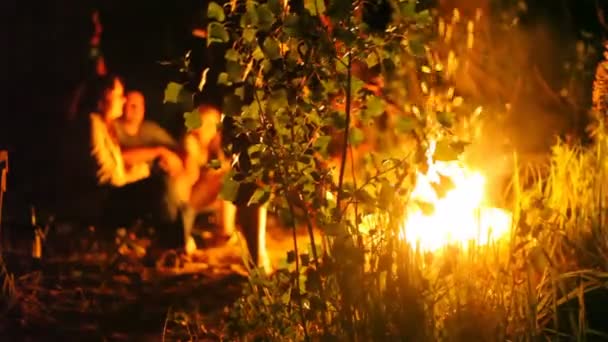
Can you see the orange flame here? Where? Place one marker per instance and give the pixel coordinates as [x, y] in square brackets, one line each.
[438, 216]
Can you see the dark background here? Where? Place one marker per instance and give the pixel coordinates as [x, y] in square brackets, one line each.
[43, 55]
[45, 49]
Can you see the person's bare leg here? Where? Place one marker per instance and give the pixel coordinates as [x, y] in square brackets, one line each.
[188, 220]
[228, 219]
[253, 225]
[263, 259]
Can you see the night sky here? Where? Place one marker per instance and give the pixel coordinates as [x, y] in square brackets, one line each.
[43, 59]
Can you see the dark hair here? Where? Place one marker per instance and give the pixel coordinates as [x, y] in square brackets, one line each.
[95, 90]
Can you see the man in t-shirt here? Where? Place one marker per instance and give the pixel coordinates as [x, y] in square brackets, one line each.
[135, 132]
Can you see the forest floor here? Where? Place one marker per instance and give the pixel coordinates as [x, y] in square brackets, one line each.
[85, 290]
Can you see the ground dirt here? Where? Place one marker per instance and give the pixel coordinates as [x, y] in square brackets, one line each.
[89, 290]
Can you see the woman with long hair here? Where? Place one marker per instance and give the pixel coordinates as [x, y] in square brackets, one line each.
[133, 188]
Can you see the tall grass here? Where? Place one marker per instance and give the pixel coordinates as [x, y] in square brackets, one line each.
[533, 285]
[556, 257]
[537, 284]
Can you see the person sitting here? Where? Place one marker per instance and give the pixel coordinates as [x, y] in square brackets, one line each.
[134, 131]
[199, 184]
[251, 217]
[127, 174]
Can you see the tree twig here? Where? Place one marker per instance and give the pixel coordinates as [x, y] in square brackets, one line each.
[346, 129]
[297, 260]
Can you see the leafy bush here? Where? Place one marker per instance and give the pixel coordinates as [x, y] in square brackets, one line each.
[339, 113]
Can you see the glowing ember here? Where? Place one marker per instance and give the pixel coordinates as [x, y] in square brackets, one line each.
[447, 207]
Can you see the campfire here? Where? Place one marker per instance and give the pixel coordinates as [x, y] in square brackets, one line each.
[448, 207]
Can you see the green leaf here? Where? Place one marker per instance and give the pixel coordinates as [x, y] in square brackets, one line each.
[356, 136]
[278, 100]
[286, 297]
[330, 86]
[372, 60]
[291, 25]
[250, 18]
[214, 164]
[234, 71]
[231, 105]
[336, 120]
[408, 8]
[447, 151]
[335, 229]
[446, 119]
[231, 55]
[424, 17]
[309, 188]
[223, 79]
[249, 34]
[230, 187]
[459, 146]
[344, 35]
[266, 17]
[286, 218]
[271, 48]
[306, 158]
[315, 7]
[416, 48]
[321, 144]
[240, 92]
[302, 167]
[258, 53]
[339, 9]
[193, 120]
[356, 85]
[260, 196]
[305, 259]
[172, 92]
[291, 257]
[427, 208]
[255, 150]
[266, 66]
[363, 196]
[342, 64]
[444, 185]
[275, 6]
[215, 12]
[217, 33]
[387, 194]
[405, 124]
[374, 106]
[252, 111]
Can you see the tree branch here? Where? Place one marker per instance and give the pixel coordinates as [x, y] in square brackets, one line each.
[347, 129]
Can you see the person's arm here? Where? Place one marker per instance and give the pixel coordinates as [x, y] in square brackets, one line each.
[192, 156]
[156, 135]
[190, 172]
[137, 172]
[171, 162]
[216, 146]
[109, 168]
[137, 155]
[110, 165]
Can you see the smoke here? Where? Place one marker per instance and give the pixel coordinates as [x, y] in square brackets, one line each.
[517, 70]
